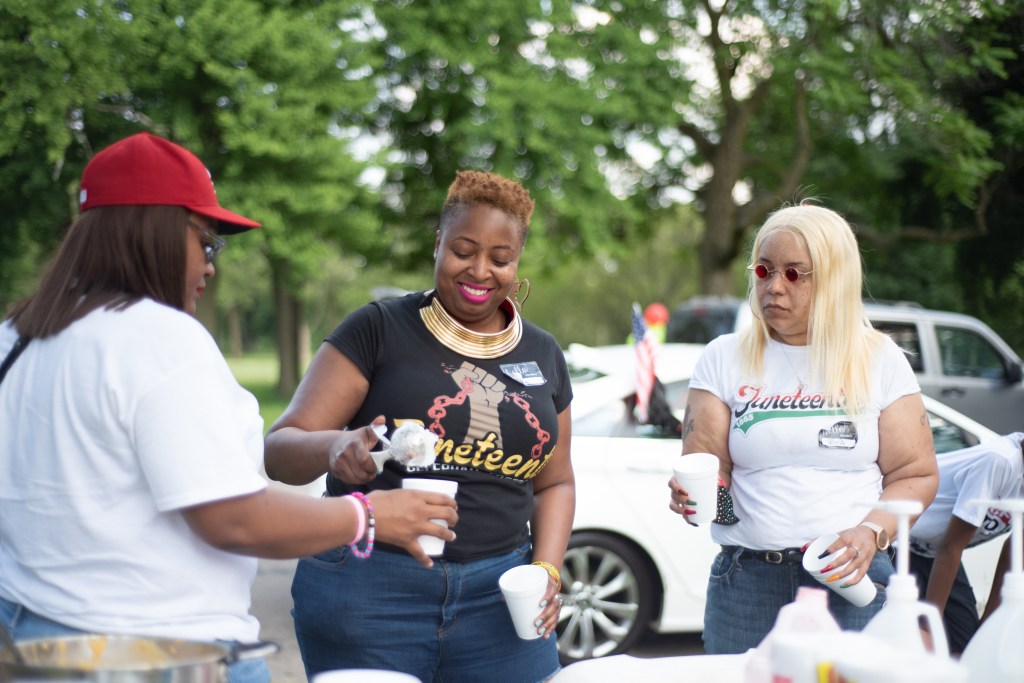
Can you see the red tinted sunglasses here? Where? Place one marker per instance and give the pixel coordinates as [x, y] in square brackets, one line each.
[763, 273]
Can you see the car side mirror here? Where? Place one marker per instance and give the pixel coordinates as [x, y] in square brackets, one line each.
[1014, 373]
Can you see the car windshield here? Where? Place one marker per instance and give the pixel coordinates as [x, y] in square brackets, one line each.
[616, 418]
[948, 437]
[700, 321]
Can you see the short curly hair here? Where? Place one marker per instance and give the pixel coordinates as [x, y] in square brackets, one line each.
[471, 188]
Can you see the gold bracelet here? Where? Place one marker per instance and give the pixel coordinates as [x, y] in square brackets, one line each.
[552, 571]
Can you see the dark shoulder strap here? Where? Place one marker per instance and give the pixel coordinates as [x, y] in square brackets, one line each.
[19, 346]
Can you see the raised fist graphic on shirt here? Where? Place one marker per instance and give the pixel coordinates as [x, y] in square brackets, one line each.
[487, 394]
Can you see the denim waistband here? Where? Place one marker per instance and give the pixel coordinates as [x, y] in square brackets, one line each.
[781, 556]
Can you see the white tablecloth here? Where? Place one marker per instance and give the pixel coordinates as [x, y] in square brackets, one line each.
[692, 668]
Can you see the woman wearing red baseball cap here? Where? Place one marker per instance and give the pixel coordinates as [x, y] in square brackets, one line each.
[131, 499]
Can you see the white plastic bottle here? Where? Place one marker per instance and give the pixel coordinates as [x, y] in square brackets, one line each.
[995, 652]
[897, 623]
[807, 614]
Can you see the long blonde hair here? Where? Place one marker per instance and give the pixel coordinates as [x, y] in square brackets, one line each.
[840, 338]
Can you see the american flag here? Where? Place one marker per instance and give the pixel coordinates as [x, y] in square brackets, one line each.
[644, 344]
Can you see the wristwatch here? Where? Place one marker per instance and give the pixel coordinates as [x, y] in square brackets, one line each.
[881, 535]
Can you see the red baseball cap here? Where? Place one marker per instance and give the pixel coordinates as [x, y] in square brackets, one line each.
[147, 169]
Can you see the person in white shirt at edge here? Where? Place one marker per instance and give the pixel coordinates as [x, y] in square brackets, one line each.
[131, 500]
[993, 470]
[814, 415]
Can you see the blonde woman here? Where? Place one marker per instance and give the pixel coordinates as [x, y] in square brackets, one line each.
[813, 414]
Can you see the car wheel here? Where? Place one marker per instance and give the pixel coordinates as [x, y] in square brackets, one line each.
[607, 597]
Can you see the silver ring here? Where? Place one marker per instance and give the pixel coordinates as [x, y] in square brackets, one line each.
[856, 550]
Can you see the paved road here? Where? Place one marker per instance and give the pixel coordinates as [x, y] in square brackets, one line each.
[272, 603]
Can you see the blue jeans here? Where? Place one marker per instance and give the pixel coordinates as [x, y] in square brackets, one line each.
[24, 624]
[745, 595]
[447, 624]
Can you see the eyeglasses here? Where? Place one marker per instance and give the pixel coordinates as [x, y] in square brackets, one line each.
[763, 273]
[212, 244]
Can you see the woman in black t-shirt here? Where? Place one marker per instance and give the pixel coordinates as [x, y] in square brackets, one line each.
[460, 361]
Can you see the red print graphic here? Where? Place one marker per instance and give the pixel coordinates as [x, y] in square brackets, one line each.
[484, 409]
[542, 436]
[441, 402]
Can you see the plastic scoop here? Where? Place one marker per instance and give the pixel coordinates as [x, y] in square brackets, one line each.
[410, 445]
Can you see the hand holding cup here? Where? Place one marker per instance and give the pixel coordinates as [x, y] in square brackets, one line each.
[694, 487]
[432, 545]
[402, 517]
[836, 562]
[551, 608]
[532, 598]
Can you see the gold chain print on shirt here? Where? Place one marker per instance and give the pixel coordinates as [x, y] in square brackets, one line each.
[483, 448]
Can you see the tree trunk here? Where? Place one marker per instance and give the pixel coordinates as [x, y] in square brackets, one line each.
[717, 248]
[722, 232]
[289, 313]
[206, 311]
[235, 331]
[305, 347]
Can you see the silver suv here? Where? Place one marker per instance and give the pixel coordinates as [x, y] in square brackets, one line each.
[959, 360]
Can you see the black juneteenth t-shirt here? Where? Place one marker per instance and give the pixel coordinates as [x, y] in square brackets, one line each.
[496, 433]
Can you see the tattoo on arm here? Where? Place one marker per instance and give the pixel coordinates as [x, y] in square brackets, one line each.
[924, 419]
[687, 422]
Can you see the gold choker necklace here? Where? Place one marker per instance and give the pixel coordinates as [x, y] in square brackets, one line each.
[456, 337]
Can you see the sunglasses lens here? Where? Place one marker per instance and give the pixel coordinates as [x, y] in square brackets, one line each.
[761, 271]
[792, 274]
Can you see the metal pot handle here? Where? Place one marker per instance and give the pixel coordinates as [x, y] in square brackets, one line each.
[261, 648]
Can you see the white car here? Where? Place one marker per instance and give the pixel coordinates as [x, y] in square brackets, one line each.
[632, 565]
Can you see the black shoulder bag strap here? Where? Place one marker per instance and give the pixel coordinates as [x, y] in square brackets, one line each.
[19, 346]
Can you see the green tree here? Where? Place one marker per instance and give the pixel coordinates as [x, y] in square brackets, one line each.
[739, 97]
[989, 267]
[602, 288]
[53, 61]
[466, 85]
[258, 90]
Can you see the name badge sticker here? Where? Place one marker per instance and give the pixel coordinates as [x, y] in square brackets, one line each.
[528, 374]
[840, 435]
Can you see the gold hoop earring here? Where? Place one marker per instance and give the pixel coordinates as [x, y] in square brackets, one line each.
[516, 289]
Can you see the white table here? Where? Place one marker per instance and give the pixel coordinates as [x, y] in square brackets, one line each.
[703, 668]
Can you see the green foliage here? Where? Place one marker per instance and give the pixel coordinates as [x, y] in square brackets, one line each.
[1000, 304]
[924, 274]
[256, 90]
[603, 288]
[607, 110]
[257, 372]
[52, 61]
[466, 85]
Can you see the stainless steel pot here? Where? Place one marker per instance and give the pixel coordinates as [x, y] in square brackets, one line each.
[125, 659]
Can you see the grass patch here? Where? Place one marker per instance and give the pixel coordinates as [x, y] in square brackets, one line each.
[258, 373]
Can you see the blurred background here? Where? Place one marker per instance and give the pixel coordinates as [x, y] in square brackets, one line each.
[654, 135]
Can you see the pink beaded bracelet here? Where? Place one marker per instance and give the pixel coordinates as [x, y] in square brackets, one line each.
[360, 519]
[371, 528]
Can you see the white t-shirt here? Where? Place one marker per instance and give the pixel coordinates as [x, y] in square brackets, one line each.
[992, 470]
[800, 465]
[107, 430]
